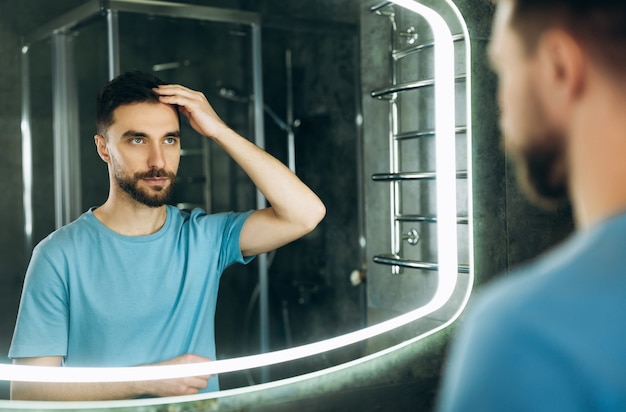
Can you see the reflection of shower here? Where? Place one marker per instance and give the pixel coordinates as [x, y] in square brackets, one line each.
[236, 96]
[288, 125]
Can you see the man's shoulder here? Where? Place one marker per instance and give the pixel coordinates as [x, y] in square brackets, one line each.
[560, 278]
[74, 232]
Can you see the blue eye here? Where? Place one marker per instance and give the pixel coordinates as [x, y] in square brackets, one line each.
[136, 140]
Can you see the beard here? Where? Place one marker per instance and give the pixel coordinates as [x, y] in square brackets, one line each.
[539, 152]
[542, 170]
[156, 196]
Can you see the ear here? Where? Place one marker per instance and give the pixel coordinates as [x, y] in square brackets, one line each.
[562, 68]
[102, 148]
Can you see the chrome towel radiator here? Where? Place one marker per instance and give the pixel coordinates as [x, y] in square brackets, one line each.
[413, 151]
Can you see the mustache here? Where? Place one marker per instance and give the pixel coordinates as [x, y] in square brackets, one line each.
[152, 173]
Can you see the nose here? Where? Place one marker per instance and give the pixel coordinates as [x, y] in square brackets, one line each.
[156, 159]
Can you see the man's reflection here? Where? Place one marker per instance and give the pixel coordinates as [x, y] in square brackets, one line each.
[134, 281]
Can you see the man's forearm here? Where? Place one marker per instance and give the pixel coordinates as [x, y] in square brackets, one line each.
[101, 391]
[290, 198]
[53, 391]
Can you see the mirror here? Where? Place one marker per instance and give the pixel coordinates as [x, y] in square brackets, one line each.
[340, 145]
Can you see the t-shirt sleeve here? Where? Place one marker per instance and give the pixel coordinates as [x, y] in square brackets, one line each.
[231, 249]
[221, 232]
[41, 328]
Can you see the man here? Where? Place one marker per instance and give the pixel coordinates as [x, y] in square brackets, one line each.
[552, 336]
[134, 281]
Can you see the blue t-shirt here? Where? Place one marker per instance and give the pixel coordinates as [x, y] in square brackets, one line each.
[98, 298]
[551, 337]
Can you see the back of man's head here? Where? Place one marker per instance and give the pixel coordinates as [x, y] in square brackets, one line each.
[599, 24]
[127, 88]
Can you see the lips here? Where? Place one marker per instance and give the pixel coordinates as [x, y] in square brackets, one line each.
[157, 182]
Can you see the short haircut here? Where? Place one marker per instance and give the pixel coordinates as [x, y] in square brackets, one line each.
[600, 25]
[130, 87]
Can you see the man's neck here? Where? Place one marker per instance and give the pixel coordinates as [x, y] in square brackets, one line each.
[131, 218]
[597, 166]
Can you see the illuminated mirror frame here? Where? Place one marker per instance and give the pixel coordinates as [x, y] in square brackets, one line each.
[447, 256]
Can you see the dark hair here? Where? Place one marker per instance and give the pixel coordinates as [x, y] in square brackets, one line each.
[130, 87]
[599, 24]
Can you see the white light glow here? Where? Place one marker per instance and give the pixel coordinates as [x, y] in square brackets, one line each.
[447, 249]
[27, 177]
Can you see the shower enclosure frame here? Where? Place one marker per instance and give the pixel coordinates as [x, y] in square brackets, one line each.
[65, 104]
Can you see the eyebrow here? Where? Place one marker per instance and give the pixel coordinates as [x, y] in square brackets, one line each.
[136, 133]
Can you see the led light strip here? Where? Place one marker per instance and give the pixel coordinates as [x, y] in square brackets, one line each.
[445, 146]
[447, 250]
